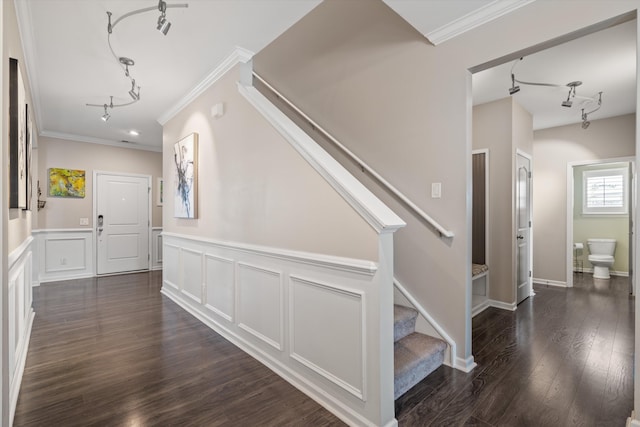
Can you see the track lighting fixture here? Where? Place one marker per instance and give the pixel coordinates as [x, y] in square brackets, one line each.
[163, 26]
[568, 103]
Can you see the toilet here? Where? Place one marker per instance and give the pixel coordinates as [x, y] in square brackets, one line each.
[601, 256]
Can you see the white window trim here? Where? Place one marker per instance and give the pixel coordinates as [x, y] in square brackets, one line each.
[624, 210]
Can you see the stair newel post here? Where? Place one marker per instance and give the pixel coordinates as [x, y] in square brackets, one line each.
[384, 323]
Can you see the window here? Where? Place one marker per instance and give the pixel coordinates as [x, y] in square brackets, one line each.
[605, 191]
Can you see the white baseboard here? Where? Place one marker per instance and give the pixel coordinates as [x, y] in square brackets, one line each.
[21, 362]
[503, 305]
[633, 422]
[480, 308]
[549, 282]
[588, 270]
[465, 365]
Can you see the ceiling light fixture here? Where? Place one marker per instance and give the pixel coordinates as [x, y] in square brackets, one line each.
[125, 62]
[134, 132]
[568, 103]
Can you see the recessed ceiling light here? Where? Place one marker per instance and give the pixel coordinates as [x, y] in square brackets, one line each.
[134, 133]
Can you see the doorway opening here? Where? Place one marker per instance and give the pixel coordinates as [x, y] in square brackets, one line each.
[600, 209]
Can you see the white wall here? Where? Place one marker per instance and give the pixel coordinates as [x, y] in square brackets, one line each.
[553, 149]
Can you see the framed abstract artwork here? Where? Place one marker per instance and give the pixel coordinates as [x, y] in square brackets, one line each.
[29, 160]
[17, 138]
[66, 183]
[185, 154]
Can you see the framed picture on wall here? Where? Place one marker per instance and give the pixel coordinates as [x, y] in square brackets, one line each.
[185, 154]
[66, 182]
[17, 138]
[29, 160]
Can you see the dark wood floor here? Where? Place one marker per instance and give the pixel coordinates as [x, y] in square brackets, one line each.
[563, 358]
[115, 352]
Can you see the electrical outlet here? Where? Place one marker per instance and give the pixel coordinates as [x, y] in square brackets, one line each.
[84, 221]
[436, 190]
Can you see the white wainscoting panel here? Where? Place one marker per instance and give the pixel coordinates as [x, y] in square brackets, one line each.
[20, 315]
[261, 288]
[341, 311]
[171, 272]
[219, 284]
[64, 254]
[192, 274]
[308, 317]
[156, 248]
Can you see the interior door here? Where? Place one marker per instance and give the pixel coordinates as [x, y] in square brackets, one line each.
[523, 228]
[122, 223]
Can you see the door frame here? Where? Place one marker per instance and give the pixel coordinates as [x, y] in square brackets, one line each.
[95, 211]
[569, 219]
[514, 255]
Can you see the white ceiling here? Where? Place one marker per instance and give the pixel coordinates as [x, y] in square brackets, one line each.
[604, 61]
[69, 62]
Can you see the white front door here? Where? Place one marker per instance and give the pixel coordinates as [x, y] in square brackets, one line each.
[122, 223]
[523, 228]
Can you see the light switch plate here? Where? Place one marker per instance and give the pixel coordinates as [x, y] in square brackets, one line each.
[436, 190]
[84, 221]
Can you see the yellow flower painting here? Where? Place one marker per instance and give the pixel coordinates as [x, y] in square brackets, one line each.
[66, 182]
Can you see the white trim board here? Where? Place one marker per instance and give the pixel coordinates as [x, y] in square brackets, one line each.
[548, 282]
[474, 19]
[503, 305]
[100, 141]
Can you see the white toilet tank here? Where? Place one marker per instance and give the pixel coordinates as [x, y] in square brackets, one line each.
[602, 246]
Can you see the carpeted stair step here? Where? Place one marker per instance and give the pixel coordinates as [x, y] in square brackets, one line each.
[415, 356]
[404, 321]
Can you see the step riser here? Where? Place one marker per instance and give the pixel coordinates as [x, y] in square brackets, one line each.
[404, 383]
[402, 329]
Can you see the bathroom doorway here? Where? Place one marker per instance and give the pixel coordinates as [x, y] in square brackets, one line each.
[600, 205]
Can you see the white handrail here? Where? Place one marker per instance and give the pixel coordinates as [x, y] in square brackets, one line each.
[443, 231]
[428, 318]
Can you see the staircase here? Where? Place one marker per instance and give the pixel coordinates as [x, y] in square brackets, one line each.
[415, 355]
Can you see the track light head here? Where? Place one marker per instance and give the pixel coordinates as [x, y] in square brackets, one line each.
[568, 103]
[106, 116]
[513, 89]
[163, 24]
[585, 124]
[135, 96]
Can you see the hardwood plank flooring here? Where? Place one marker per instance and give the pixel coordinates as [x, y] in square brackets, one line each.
[563, 358]
[114, 352]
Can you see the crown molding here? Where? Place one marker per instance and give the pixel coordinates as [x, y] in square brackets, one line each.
[92, 140]
[27, 39]
[474, 19]
[239, 55]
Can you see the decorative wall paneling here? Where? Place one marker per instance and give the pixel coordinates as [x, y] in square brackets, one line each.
[20, 315]
[309, 317]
